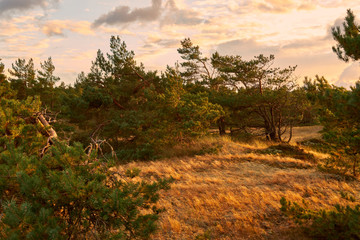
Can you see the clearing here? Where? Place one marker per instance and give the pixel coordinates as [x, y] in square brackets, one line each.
[235, 193]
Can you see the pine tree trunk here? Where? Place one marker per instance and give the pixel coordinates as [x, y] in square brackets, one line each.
[221, 125]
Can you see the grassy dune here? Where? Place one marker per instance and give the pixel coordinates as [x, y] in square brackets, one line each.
[235, 193]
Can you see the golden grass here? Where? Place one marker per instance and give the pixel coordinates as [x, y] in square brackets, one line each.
[196, 147]
[235, 194]
[304, 133]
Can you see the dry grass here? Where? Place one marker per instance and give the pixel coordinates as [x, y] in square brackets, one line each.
[235, 194]
[304, 133]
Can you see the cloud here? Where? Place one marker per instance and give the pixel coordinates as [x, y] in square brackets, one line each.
[307, 46]
[9, 29]
[272, 6]
[26, 49]
[349, 76]
[307, 6]
[176, 16]
[123, 14]
[277, 6]
[335, 3]
[17, 29]
[247, 48]
[76, 54]
[170, 14]
[22, 5]
[312, 56]
[58, 27]
[156, 41]
[337, 23]
[285, 6]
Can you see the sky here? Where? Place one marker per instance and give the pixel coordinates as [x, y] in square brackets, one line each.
[71, 32]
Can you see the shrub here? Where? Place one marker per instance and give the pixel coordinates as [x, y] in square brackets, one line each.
[317, 145]
[288, 150]
[340, 223]
[65, 193]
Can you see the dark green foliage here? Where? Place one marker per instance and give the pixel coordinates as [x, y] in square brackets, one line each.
[348, 196]
[205, 236]
[2, 73]
[23, 77]
[338, 164]
[339, 110]
[95, 98]
[262, 96]
[26, 81]
[287, 150]
[138, 112]
[347, 38]
[46, 81]
[65, 193]
[5, 91]
[340, 223]
[252, 93]
[196, 68]
[342, 128]
[317, 144]
[46, 76]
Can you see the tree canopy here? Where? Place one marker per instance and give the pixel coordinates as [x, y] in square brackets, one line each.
[347, 37]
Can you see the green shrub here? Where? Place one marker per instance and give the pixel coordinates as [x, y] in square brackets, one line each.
[288, 150]
[317, 145]
[341, 165]
[340, 223]
[65, 193]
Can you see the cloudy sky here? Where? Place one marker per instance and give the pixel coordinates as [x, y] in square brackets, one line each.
[71, 31]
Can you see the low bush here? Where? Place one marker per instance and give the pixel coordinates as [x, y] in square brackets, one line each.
[61, 192]
[288, 150]
[342, 223]
[317, 145]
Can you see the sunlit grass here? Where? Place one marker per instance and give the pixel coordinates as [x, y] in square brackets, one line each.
[303, 133]
[235, 193]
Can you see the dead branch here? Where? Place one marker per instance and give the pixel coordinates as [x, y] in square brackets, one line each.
[98, 128]
[97, 146]
[50, 132]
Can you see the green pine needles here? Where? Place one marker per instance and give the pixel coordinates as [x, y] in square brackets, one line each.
[339, 223]
[66, 193]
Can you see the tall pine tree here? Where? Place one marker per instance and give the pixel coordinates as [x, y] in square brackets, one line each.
[22, 77]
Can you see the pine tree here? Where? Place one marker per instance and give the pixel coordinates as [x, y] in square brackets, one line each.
[2, 73]
[46, 82]
[196, 68]
[62, 192]
[258, 92]
[23, 77]
[121, 102]
[348, 39]
[341, 110]
[46, 76]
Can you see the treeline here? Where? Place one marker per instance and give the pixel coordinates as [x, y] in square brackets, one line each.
[140, 112]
